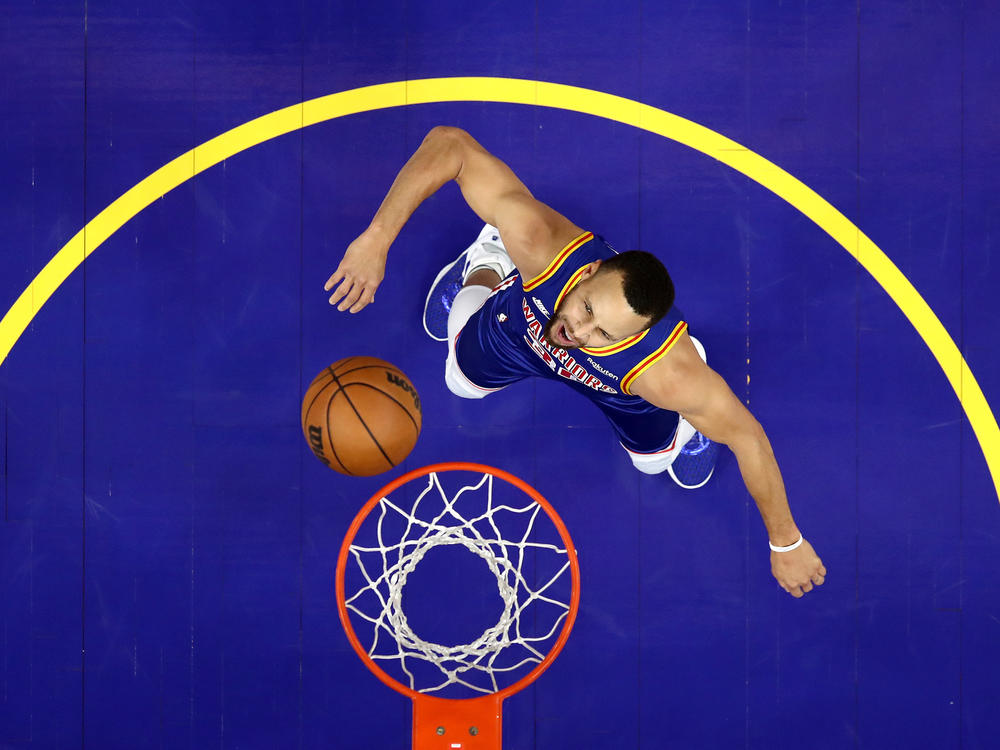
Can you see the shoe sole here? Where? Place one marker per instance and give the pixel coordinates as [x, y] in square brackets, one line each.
[441, 274]
[670, 471]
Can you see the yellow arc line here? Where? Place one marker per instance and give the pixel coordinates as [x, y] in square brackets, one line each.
[541, 94]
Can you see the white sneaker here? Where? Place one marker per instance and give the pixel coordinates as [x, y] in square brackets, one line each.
[487, 251]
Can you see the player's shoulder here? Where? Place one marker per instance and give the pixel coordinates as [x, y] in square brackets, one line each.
[535, 236]
[675, 377]
[682, 362]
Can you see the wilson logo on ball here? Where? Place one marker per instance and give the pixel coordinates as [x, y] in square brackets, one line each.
[316, 443]
[396, 380]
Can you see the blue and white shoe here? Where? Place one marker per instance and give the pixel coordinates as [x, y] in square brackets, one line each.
[439, 299]
[486, 252]
[695, 464]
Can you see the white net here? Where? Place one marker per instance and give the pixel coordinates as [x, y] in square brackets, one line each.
[519, 546]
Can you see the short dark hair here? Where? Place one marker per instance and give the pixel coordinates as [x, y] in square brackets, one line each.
[648, 287]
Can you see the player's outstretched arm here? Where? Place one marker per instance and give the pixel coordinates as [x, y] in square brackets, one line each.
[532, 232]
[682, 382]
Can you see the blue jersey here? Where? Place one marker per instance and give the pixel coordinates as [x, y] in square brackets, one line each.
[502, 343]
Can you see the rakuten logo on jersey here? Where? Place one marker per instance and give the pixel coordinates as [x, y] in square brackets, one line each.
[601, 369]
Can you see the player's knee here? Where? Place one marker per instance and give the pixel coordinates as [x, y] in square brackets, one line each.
[457, 390]
[457, 383]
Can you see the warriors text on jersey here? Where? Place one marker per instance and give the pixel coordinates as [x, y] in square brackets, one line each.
[502, 343]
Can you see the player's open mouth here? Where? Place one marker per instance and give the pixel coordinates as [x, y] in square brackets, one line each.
[564, 337]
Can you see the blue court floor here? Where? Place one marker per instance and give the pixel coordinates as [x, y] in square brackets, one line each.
[168, 541]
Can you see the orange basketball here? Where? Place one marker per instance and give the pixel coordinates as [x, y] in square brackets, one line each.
[361, 416]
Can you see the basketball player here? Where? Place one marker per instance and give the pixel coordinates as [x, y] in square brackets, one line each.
[537, 295]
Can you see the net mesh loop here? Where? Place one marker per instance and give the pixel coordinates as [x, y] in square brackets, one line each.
[503, 648]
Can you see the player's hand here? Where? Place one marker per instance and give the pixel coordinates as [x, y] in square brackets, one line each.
[799, 570]
[359, 274]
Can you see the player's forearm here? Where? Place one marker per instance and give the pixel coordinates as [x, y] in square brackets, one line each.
[763, 480]
[437, 161]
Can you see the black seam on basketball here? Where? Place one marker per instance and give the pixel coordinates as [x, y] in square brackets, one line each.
[318, 394]
[316, 379]
[360, 419]
[342, 362]
[326, 421]
[329, 433]
[326, 424]
[381, 367]
[388, 395]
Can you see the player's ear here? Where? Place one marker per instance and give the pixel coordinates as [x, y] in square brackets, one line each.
[590, 269]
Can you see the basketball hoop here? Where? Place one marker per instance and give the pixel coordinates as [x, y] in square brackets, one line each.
[528, 550]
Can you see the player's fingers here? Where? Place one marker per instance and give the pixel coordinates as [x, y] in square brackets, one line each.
[807, 587]
[352, 297]
[332, 281]
[796, 592]
[340, 291]
[367, 297]
[822, 570]
[818, 579]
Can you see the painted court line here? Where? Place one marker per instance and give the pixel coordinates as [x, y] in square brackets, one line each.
[542, 94]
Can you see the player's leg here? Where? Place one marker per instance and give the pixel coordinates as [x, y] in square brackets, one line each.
[469, 298]
[457, 293]
[465, 282]
[645, 455]
[657, 440]
[467, 303]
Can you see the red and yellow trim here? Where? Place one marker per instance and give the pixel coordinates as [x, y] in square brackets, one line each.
[604, 351]
[573, 281]
[600, 351]
[557, 261]
[649, 361]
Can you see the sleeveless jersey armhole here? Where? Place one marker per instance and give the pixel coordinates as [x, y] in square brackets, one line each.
[557, 261]
[653, 358]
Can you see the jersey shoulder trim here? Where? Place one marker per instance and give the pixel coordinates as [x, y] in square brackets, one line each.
[573, 280]
[557, 261]
[649, 361]
[620, 346]
[598, 351]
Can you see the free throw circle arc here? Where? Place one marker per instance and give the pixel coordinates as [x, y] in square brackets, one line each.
[543, 94]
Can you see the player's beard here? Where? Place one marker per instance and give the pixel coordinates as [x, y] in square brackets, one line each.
[554, 322]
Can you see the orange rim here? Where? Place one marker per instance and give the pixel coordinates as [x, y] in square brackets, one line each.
[535, 495]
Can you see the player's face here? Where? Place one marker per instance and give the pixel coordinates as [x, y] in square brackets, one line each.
[594, 314]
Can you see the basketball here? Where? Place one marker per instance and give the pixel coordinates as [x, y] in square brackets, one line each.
[361, 416]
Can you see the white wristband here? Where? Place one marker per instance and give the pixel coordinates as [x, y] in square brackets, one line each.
[789, 548]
